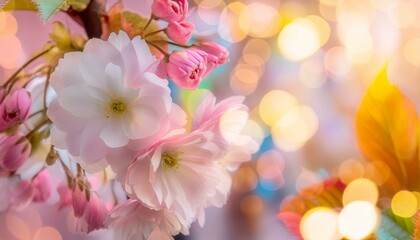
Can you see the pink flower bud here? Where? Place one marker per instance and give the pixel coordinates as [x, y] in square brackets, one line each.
[15, 108]
[13, 151]
[187, 67]
[180, 31]
[170, 10]
[216, 53]
[79, 202]
[42, 187]
[65, 194]
[95, 213]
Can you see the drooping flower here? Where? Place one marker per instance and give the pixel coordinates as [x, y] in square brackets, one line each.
[170, 10]
[14, 151]
[180, 32]
[107, 95]
[132, 220]
[177, 173]
[187, 67]
[15, 108]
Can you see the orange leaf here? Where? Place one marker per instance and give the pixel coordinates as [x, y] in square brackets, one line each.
[326, 194]
[386, 129]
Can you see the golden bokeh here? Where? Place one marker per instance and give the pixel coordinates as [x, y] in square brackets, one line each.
[320, 223]
[404, 204]
[361, 189]
[275, 104]
[299, 39]
[295, 128]
[358, 220]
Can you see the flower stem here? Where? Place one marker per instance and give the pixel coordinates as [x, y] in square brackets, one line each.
[158, 48]
[177, 44]
[36, 128]
[154, 32]
[148, 23]
[10, 80]
[47, 83]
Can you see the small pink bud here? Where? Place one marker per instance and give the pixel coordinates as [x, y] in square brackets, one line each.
[65, 194]
[180, 32]
[217, 53]
[14, 151]
[170, 10]
[42, 186]
[79, 202]
[95, 213]
[15, 108]
[187, 67]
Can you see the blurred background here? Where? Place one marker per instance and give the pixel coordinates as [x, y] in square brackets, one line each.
[303, 66]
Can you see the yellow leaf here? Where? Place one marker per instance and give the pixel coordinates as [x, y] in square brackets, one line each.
[61, 36]
[12, 5]
[386, 129]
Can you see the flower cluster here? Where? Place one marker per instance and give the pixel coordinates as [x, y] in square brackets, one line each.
[108, 109]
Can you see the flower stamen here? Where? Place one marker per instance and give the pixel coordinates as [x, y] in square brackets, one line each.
[170, 159]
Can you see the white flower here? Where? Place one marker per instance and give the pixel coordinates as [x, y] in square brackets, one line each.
[133, 221]
[107, 95]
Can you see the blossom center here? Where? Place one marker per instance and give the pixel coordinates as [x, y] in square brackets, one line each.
[116, 108]
[170, 159]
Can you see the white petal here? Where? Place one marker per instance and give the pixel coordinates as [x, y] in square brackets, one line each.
[114, 78]
[79, 101]
[113, 135]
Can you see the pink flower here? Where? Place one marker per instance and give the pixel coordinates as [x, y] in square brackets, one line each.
[132, 220]
[217, 54]
[14, 151]
[15, 108]
[187, 67]
[170, 10]
[180, 31]
[227, 119]
[119, 159]
[176, 173]
[107, 95]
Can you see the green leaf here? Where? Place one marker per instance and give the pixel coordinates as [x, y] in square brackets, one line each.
[404, 223]
[47, 8]
[13, 5]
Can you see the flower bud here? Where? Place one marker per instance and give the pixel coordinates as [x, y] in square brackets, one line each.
[180, 32]
[170, 10]
[187, 67]
[15, 108]
[42, 187]
[95, 213]
[216, 53]
[79, 202]
[14, 151]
